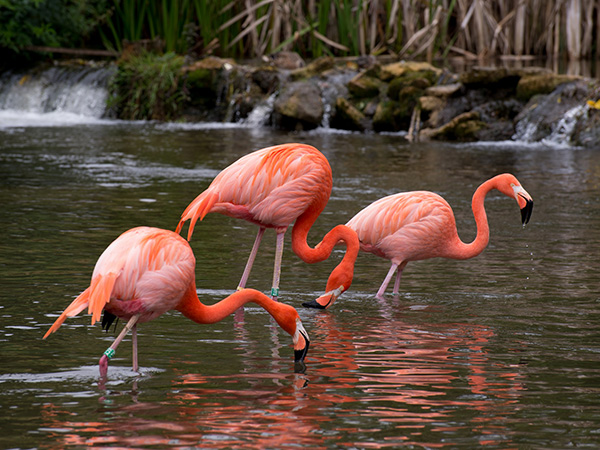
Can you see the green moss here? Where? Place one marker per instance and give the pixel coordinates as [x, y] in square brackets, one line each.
[391, 116]
[364, 86]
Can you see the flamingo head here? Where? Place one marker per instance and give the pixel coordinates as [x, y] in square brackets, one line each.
[301, 344]
[510, 186]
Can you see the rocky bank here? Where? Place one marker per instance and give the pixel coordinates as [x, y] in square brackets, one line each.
[426, 102]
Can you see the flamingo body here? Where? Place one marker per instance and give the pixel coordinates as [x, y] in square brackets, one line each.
[273, 188]
[146, 272]
[412, 226]
[399, 227]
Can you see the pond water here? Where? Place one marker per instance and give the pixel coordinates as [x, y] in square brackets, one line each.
[500, 351]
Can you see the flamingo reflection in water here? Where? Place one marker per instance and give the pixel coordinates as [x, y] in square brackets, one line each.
[419, 379]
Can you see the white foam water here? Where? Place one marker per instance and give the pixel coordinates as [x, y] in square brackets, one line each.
[56, 96]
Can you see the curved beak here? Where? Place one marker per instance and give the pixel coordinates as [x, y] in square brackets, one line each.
[525, 203]
[325, 300]
[301, 343]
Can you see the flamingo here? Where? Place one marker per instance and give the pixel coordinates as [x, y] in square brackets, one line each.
[411, 226]
[272, 188]
[146, 272]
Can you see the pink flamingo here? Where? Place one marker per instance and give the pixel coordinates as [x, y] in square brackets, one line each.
[146, 272]
[272, 188]
[411, 226]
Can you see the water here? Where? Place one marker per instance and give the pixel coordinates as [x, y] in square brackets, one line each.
[500, 351]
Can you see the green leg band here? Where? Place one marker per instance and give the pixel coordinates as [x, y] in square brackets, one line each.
[274, 292]
[109, 352]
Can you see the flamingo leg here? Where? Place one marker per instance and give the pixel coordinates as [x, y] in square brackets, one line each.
[134, 354]
[398, 276]
[110, 351]
[251, 258]
[386, 281]
[277, 268]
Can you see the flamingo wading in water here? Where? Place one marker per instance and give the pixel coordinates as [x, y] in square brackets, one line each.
[273, 188]
[411, 226]
[146, 272]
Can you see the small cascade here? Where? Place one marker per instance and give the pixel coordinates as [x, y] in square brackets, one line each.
[530, 130]
[260, 115]
[61, 93]
[563, 131]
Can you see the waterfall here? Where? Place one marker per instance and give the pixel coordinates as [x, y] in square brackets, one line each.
[55, 95]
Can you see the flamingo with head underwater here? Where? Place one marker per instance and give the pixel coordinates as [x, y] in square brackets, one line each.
[146, 272]
[412, 226]
[273, 188]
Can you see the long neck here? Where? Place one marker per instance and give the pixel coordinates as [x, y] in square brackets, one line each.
[466, 251]
[344, 272]
[192, 308]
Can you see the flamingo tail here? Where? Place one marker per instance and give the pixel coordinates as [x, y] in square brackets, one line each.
[100, 292]
[199, 208]
[76, 306]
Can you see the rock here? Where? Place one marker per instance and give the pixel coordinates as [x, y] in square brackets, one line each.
[298, 107]
[362, 86]
[348, 117]
[428, 103]
[287, 60]
[398, 69]
[430, 110]
[391, 116]
[267, 78]
[210, 63]
[545, 114]
[462, 128]
[447, 90]
[315, 68]
[418, 81]
[531, 85]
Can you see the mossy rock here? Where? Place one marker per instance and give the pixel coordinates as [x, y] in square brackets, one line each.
[267, 78]
[313, 69]
[203, 78]
[462, 128]
[398, 69]
[364, 86]
[530, 86]
[416, 80]
[391, 115]
[347, 117]
[298, 107]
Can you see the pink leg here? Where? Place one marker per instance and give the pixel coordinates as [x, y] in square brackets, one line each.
[277, 268]
[386, 281]
[110, 351]
[134, 354]
[251, 258]
[398, 276]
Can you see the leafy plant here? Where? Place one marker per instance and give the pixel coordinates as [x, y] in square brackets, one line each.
[51, 23]
[148, 87]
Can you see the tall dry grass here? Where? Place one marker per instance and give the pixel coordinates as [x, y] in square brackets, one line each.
[400, 28]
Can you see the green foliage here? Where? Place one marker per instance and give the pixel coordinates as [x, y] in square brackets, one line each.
[52, 23]
[148, 87]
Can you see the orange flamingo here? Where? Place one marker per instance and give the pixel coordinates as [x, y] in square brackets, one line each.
[411, 226]
[146, 272]
[272, 188]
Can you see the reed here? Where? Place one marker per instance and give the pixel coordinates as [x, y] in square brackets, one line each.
[401, 28]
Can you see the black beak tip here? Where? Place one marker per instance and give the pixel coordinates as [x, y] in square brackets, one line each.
[526, 212]
[299, 355]
[313, 304]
